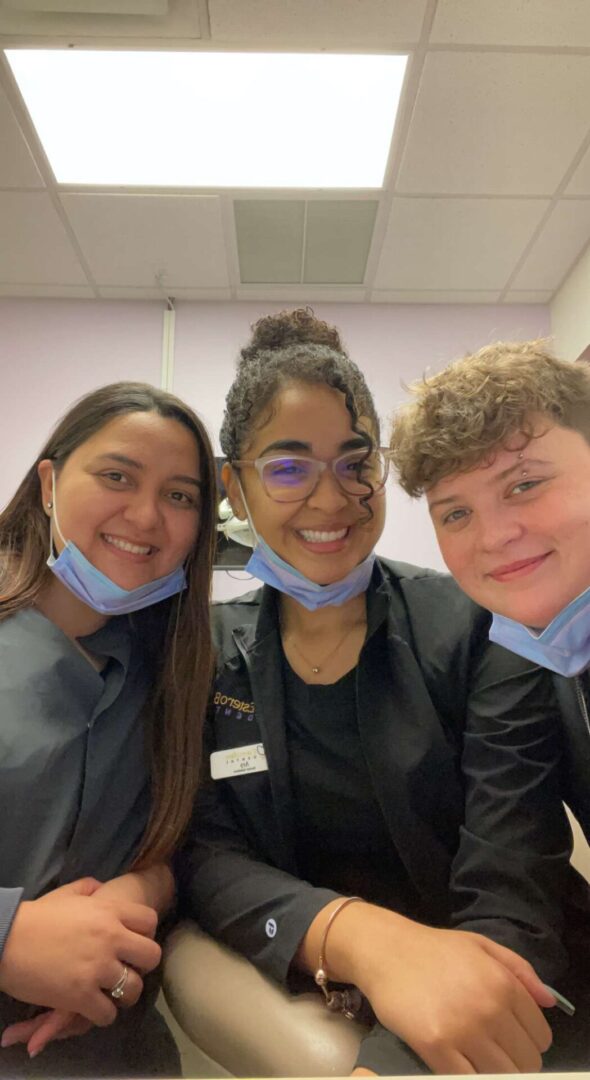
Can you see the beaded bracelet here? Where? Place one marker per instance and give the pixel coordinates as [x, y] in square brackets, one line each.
[348, 1002]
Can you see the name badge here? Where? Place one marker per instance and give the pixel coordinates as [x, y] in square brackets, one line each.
[238, 762]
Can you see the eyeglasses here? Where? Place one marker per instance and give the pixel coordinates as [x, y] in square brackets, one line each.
[291, 478]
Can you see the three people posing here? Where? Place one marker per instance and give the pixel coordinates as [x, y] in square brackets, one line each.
[358, 826]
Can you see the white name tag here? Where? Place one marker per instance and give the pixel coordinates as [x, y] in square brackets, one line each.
[238, 762]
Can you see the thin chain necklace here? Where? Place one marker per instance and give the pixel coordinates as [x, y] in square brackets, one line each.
[316, 668]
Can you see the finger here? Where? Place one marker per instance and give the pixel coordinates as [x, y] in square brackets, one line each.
[449, 1061]
[82, 887]
[523, 971]
[139, 918]
[98, 1008]
[53, 1024]
[21, 1032]
[79, 1025]
[140, 952]
[132, 989]
[492, 1058]
[530, 1017]
[516, 1043]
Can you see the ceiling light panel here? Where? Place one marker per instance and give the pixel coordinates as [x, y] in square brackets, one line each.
[201, 119]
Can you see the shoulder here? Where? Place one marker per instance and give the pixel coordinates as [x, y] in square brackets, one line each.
[430, 595]
[227, 615]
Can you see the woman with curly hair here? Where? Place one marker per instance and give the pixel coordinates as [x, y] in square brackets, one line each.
[499, 442]
[333, 839]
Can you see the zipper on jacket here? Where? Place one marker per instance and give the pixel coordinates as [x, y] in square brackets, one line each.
[582, 701]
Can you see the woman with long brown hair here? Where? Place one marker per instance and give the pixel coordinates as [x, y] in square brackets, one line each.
[105, 668]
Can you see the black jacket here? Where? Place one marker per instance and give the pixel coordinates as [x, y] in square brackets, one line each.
[475, 860]
[573, 696]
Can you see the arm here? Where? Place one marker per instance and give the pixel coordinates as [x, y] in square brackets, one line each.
[153, 887]
[511, 874]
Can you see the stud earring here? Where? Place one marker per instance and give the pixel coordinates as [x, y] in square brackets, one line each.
[50, 506]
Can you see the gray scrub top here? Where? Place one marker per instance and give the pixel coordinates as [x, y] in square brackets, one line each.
[74, 781]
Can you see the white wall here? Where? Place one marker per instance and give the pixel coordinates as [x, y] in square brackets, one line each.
[570, 311]
[51, 352]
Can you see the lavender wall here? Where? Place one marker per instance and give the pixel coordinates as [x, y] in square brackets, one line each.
[53, 351]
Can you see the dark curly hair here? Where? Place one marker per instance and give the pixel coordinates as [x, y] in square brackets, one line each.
[292, 346]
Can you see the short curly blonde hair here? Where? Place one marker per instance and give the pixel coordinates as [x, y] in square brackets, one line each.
[462, 415]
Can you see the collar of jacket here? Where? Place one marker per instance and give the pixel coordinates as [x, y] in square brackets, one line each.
[265, 610]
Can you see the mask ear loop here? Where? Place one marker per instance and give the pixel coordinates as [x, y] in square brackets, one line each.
[53, 519]
[248, 514]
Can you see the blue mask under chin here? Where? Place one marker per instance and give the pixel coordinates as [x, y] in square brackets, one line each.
[265, 564]
[96, 590]
[562, 647]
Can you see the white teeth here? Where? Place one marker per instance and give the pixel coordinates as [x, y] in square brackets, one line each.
[316, 537]
[124, 545]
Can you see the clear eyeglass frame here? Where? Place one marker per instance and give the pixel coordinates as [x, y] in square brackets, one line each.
[368, 487]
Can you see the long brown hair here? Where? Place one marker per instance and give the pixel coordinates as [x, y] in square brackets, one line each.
[177, 703]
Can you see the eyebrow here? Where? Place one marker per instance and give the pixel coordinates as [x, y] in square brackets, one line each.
[501, 476]
[121, 459]
[294, 446]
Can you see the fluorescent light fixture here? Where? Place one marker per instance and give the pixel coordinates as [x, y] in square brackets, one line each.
[202, 119]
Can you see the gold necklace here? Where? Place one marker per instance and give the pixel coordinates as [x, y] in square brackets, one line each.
[316, 668]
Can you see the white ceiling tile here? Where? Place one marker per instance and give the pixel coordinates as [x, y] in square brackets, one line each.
[561, 241]
[534, 296]
[580, 181]
[432, 296]
[318, 23]
[181, 21]
[132, 240]
[17, 167]
[34, 245]
[512, 22]
[122, 292]
[455, 244]
[491, 123]
[51, 292]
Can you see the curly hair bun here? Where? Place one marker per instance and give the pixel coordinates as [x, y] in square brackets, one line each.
[290, 328]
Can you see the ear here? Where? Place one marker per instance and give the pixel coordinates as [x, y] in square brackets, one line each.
[45, 474]
[231, 485]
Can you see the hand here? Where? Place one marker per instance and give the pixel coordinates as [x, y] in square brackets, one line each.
[361, 1071]
[67, 947]
[43, 1029]
[463, 1003]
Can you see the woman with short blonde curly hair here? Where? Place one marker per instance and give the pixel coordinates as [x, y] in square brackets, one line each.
[499, 442]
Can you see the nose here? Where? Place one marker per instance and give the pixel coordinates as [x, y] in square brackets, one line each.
[499, 528]
[143, 511]
[327, 495]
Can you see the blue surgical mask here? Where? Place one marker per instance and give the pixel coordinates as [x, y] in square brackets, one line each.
[562, 647]
[265, 564]
[96, 590]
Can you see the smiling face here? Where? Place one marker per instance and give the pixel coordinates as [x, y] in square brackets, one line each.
[515, 533]
[128, 497]
[328, 534]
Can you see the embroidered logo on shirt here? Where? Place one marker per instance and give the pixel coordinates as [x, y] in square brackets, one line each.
[241, 710]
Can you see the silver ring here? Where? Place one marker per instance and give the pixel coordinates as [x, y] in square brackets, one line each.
[119, 988]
